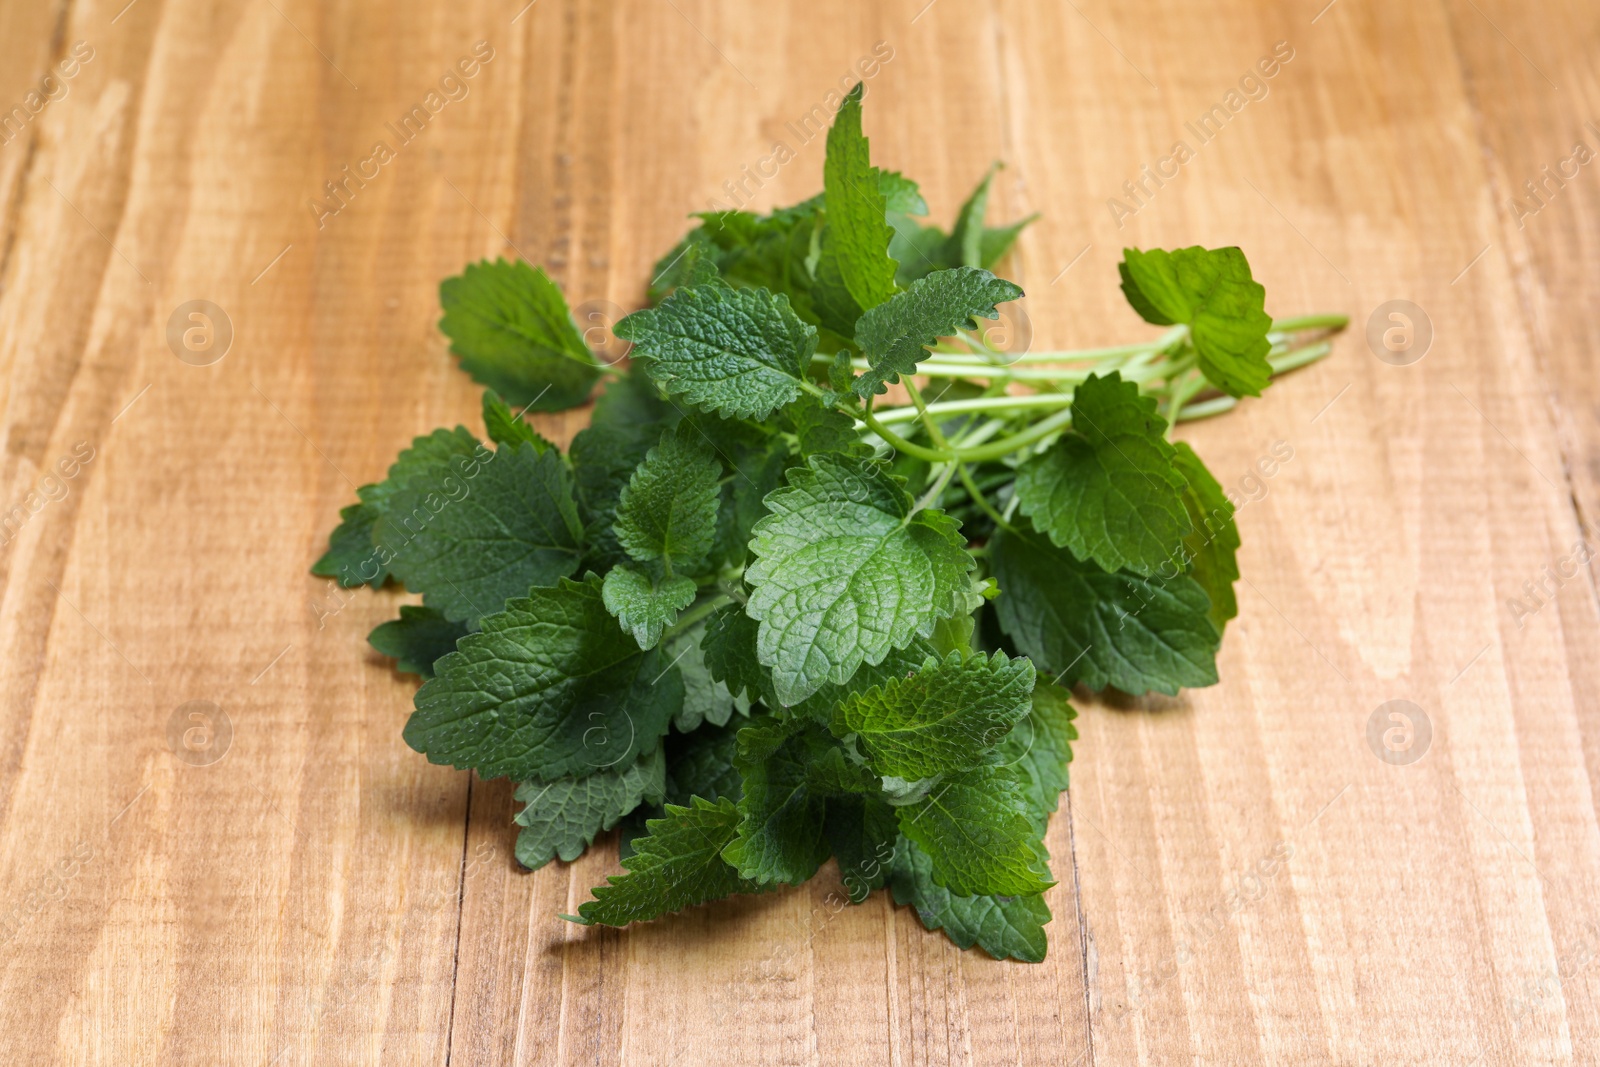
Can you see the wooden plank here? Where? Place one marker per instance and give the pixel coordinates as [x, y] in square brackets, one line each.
[321, 894]
[1418, 900]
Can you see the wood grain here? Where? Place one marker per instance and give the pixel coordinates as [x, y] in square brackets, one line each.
[1241, 880]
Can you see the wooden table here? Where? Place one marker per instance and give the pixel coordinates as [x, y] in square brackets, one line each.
[322, 895]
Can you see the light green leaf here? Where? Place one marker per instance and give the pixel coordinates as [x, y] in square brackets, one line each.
[942, 718]
[854, 272]
[1004, 927]
[417, 639]
[677, 865]
[668, 511]
[741, 353]
[1211, 291]
[1213, 544]
[563, 817]
[550, 687]
[510, 325]
[506, 427]
[978, 833]
[470, 535]
[705, 699]
[1110, 490]
[896, 334]
[846, 572]
[644, 607]
[1098, 627]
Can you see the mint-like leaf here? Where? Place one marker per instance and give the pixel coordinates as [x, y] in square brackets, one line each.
[1099, 627]
[1110, 490]
[645, 606]
[668, 512]
[509, 324]
[977, 831]
[506, 427]
[741, 353]
[854, 272]
[1005, 927]
[550, 687]
[469, 536]
[417, 639]
[1211, 291]
[861, 831]
[780, 826]
[896, 334]
[846, 571]
[677, 865]
[1213, 544]
[942, 718]
[562, 818]
[1039, 749]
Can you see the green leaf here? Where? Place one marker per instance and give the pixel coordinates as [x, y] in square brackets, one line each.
[1004, 927]
[965, 245]
[861, 832]
[823, 429]
[701, 764]
[563, 817]
[780, 828]
[1211, 291]
[1110, 490]
[645, 606]
[741, 353]
[1213, 544]
[900, 194]
[896, 334]
[676, 865]
[470, 538]
[627, 422]
[509, 324]
[352, 559]
[854, 272]
[668, 511]
[550, 687]
[505, 427]
[977, 831]
[417, 639]
[705, 699]
[846, 571]
[1098, 627]
[943, 718]
[1039, 749]
[729, 647]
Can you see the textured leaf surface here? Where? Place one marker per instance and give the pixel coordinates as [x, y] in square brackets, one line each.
[645, 606]
[1213, 544]
[507, 427]
[705, 699]
[1211, 291]
[739, 352]
[1102, 628]
[861, 832]
[780, 830]
[549, 687]
[979, 836]
[1110, 490]
[469, 541]
[668, 511]
[677, 865]
[627, 422]
[845, 573]
[1004, 927]
[417, 639]
[855, 244]
[701, 764]
[352, 559]
[940, 719]
[563, 817]
[897, 333]
[509, 324]
[1039, 749]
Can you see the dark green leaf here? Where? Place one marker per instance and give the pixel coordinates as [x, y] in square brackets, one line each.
[668, 511]
[563, 817]
[506, 427]
[1213, 544]
[510, 325]
[861, 832]
[780, 829]
[1110, 490]
[896, 334]
[676, 865]
[1004, 927]
[418, 638]
[977, 831]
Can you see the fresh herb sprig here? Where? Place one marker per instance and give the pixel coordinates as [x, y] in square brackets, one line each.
[758, 617]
